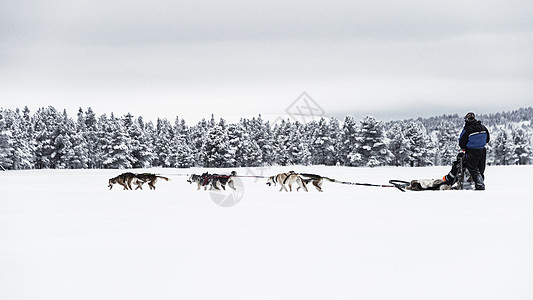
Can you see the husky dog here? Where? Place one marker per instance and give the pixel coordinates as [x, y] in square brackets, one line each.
[126, 179]
[203, 180]
[123, 179]
[213, 181]
[197, 179]
[287, 179]
[316, 180]
[147, 177]
[220, 181]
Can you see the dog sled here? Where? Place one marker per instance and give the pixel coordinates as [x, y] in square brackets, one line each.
[454, 180]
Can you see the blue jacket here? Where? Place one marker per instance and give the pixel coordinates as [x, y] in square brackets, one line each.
[474, 136]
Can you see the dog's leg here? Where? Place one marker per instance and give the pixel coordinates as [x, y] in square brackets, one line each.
[153, 182]
[302, 183]
[317, 185]
[232, 185]
[128, 182]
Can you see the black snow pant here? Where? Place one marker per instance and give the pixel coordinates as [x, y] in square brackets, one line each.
[451, 177]
[475, 163]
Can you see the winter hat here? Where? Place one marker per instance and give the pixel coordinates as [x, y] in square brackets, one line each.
[470, 117]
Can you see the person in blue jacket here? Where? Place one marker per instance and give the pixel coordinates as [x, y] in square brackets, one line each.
[472, 140]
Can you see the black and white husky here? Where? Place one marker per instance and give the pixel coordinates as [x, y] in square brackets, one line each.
[213, 181]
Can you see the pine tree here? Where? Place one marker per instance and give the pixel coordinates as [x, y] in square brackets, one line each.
[138, 143]
[419, 146]
[522, 146]
[281, 146]
[23, 141]
[347, 140]
[90, 135]
[371, 149]
[216, 146]
[298, 145]
[6, 144]
[163, 142]
[502, 149]
[398, 144]
[182, 153]
[116, 151]
[446, 136]
[322, 144]
[198, 135]
[46, 132]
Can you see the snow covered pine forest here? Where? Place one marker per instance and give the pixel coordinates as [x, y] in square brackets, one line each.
[50, 139]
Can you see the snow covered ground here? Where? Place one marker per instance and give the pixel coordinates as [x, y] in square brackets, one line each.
[65, 235]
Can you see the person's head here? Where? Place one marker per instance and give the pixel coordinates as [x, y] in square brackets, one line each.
[470, 117]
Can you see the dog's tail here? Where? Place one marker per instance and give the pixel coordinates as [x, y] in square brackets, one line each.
[167, 179]
[331, 180]
[314, 176]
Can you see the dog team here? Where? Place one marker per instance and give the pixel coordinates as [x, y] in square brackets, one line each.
[127, 179]
[219, 182]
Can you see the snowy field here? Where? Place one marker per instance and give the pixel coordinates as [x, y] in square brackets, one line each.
[65, 235]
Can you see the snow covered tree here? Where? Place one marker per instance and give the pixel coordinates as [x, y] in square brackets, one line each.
[163, 142]
[115, 150]
[89, 129]
[298, 145]
[446, 136]
[182, 153]
[139, 145]
[6, 144]
[522, 146]
[502, 149]
[280, 143]
[419, 147]
[197, 137]
[371, 149]
[245, 152]
[23, 141]
[70, 147]
[398, 144]
[347, 140]
[46, 127]
[216, 146]
[257, 140]
[323, 142]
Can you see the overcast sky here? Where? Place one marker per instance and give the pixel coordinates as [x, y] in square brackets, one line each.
[167, 58]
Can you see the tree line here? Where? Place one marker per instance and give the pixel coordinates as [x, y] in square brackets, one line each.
[50, 139]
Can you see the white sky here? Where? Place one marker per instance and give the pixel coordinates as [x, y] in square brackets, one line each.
[164, 58]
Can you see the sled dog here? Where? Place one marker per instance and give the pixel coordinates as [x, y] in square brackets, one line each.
[213, 181]
[151, 179]
[196, 179]
[316, 180]
[127, 179]
[123, 179]
[220, 181]
[284, 179]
